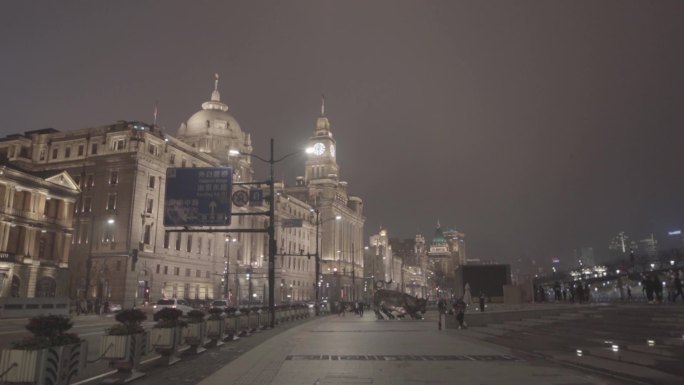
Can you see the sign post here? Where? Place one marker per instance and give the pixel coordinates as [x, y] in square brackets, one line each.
[198, 196]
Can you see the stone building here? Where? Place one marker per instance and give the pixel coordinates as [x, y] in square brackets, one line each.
[341, 240]
[36, 229]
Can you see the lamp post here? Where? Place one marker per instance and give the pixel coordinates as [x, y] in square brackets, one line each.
[270, 230]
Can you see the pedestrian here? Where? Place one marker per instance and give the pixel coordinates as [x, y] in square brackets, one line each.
[557, 291]
[441, 309]
[658, 288]
[361, 309]
[580, 293]
[482, 301]
[460, 313]
[677, 288]
[565, 293]
[587, 292]
[629, 294]
[98, 305]
[341, 309]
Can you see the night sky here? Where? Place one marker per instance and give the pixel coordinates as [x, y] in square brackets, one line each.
[534, 127]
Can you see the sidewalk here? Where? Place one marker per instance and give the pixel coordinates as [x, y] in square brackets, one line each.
[352, 350]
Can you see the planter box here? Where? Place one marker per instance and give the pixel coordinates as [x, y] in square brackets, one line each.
[115, 347]
[165, 338]
[56, 365]
[196, 333]
[216, 328]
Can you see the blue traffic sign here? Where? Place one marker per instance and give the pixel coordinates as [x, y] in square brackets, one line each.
[198, 196]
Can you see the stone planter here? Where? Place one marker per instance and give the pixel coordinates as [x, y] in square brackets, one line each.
[253, 322]
[115, 347]
[166, 342]
[125, 353]
[195, 335]
[52, 366]
[232, 328]
[216, 329]
[243, 329]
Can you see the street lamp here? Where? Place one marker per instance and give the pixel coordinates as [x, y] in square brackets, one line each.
[317, 284]
[271, 224]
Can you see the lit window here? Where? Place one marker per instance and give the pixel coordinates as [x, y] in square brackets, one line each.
[111, 202]
[113, 177]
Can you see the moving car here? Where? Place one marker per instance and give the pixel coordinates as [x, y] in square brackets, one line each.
[174, 303]
[220, 304]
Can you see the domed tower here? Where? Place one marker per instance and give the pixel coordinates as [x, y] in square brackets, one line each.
[216, 132]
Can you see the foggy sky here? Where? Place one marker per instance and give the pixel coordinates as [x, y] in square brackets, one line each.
[533, 127]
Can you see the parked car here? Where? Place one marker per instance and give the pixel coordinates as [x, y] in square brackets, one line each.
[220, 304]
[174, 303]
[114, 307]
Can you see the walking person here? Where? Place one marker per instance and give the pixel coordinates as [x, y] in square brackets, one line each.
[482, 301]
[441, 310]
[361, 309]
[580, 293]
[467, 297]
[677, 288]
[629, 294]
[460, 313]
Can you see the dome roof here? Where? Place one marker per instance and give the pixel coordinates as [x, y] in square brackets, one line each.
[212, 119]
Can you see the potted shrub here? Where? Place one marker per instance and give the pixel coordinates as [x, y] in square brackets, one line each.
[196, 331]
[165, 336]
[51, 355]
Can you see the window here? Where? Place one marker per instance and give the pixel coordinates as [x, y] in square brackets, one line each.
[150, 182]
[172, 159]
[108, 234]
[113, 177]
[176, 271]
[198, 274]
[178, 241]
[183, 163]
[87, 205]
[67, 152]
[150, 205]
[187, 272]
[188, 246]
[118, 144]
[208, 274]
[85, 231]
[167, 236]
[209, 248]
[90, 180]
[199, 245]
[55, 152]
[146, 235]
[118, 265]
[93, 149]
[81, 149]
[77, 180]
[166, 270]
[208, 124]
[43, 154]
[111, 202]
[194, 164]
[153, 149]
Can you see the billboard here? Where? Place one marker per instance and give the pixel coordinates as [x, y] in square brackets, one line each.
[489, 279]
[198, 196]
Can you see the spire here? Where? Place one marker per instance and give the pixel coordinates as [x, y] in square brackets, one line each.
[438, 225]
[215, 95]
[322, 105]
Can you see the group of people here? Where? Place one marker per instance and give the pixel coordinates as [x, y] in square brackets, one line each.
[656, 287]
[653, 286]
[355, 307]
[458, 308]
[83, 306]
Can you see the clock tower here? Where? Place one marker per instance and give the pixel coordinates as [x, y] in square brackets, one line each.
[321, 166]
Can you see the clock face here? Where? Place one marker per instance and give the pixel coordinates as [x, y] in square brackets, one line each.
[318, 148]
[332, 149]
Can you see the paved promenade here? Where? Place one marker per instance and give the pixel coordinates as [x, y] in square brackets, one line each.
[352, 350]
